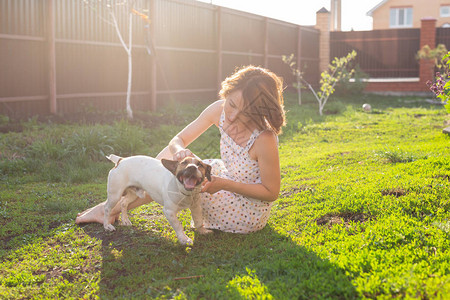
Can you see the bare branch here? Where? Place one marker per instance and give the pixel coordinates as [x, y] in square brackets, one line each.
[94, 8]
[116, 26]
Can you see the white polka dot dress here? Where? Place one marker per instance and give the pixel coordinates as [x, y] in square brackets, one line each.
[228, 211]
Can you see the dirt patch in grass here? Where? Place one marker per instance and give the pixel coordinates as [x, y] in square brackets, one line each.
[97, 231]
[54, 272]
[331, 156]
[443, 176]
[342, 218]
[293, 191]
[396, 192]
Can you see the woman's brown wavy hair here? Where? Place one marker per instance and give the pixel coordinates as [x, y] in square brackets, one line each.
[262, 92]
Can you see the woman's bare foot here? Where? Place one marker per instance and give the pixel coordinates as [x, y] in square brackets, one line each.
[84, 212]
[94, 215]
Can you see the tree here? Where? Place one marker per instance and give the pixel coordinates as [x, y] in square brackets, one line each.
[338, 70]
[298, 74]
[113, 8]
[436, 54]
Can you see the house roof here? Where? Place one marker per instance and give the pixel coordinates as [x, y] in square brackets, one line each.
[370, 12]
[322, 10]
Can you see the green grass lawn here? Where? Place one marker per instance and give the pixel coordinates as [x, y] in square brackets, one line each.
[363, 211]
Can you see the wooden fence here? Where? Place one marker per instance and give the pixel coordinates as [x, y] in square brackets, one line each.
[61, 56]
[389, 53]
[381, 53]
[443, 36]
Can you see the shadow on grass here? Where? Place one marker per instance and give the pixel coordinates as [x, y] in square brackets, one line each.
[140, 264]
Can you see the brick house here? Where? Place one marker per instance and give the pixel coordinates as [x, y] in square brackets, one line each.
[408, 13]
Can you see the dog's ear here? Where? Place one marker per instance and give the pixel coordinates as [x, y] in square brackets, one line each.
[170, 165]
[208, 172]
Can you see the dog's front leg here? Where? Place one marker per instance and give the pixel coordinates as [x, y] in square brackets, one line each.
[109, 205]
[196, 212]
[171, 216]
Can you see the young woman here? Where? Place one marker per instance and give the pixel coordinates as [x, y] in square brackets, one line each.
[246, 180]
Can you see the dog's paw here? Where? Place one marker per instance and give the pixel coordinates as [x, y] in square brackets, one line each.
[186, 241]
[126, 222]
[109, 227]
[203, 230]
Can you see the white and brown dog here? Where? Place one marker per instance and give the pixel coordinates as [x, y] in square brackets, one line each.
[175, 185]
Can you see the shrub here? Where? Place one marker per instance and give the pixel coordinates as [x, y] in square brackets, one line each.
[127, 139]
[48, 148]
[352, 87]
[441, 85]
[92, 142]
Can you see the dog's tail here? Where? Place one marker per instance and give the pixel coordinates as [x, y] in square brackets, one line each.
[114, 158]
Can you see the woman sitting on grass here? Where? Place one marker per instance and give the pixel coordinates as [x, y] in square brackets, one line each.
[246, 180]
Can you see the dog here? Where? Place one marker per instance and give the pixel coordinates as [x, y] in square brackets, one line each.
[174, 185]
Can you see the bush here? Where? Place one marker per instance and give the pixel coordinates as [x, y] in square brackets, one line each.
[352, 86]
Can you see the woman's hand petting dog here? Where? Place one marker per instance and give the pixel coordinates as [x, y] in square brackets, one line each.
[181, 154]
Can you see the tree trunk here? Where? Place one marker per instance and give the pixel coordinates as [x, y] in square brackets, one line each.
[130, 63]
[130, 75]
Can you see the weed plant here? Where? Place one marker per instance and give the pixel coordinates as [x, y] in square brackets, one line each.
[363, 211]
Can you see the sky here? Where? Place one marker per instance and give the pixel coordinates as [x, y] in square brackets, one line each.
[303, 12]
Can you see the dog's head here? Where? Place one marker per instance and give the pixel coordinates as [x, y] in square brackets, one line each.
[191, 172]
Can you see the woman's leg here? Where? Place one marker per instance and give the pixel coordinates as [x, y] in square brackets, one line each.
[96, 213]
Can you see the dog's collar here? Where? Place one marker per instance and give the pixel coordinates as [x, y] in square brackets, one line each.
[187, 195]
[178, 193]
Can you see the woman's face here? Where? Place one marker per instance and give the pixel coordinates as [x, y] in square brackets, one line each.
[234, 104]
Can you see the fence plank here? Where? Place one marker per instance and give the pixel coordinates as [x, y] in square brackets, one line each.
[51, 55]
[219, 46]
[153, 62]
[443, 36]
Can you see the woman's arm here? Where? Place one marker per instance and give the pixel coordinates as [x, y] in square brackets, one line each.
[177, 146]
[266, 152]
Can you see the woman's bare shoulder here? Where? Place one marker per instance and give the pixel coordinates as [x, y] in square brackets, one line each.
[267, 136]
[216, 106]
[213, 111]
[265, 144]
[266, 141]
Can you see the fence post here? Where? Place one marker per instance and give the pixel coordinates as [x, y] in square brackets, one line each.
[219, 47]
[299, 47]
[51, 55]
[153, 62]
[266, 42]
[323, 24]
[427, 37]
